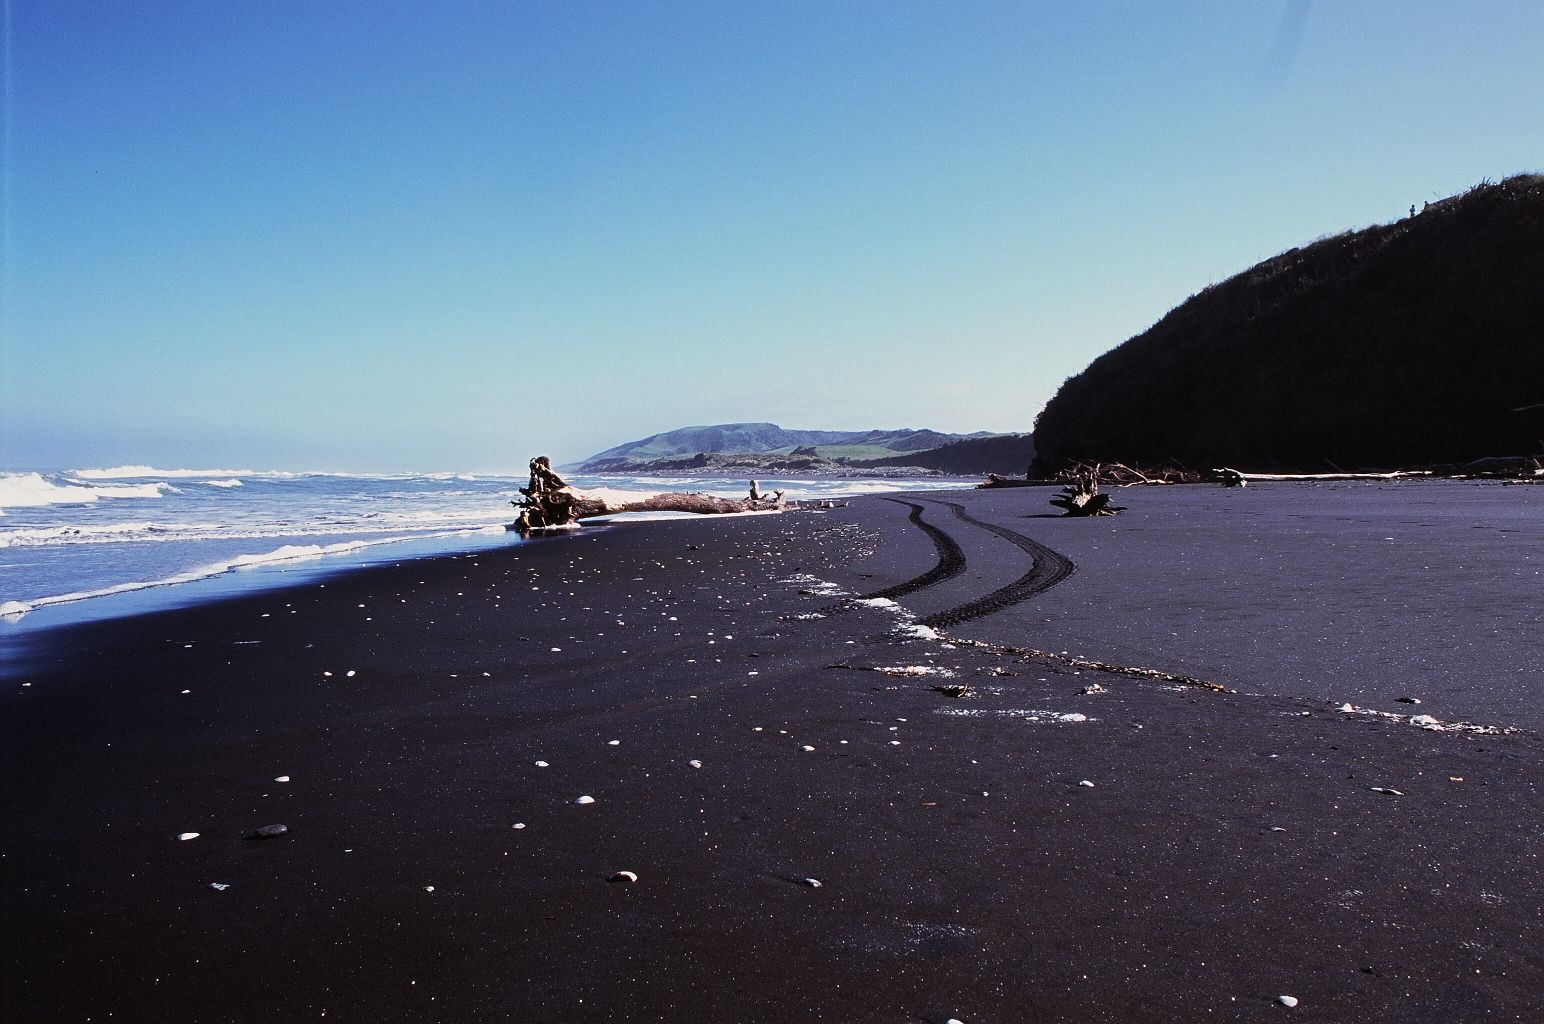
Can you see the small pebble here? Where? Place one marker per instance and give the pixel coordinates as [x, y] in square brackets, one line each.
[1408, 700]
[349, 673]
[585, 800]
[1287, 1001]
[271, 832]
[185, 836]
[1085, 783]
[623, 876]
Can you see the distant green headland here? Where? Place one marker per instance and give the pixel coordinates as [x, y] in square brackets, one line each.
[767, 449]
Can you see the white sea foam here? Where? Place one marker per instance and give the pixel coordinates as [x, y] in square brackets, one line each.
[32, 490]
[222, 483]
[96, 534]
[143, 472]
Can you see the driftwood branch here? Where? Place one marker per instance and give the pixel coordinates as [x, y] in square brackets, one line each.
[547, 502]
[1081, 497]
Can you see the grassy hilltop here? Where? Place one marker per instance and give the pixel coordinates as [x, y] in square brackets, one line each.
[1412, 343]
[767, 449]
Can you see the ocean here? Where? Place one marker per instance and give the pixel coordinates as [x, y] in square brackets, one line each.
[81, 536]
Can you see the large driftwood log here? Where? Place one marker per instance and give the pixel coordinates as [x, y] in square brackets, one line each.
[1081, 497]
[548, 502]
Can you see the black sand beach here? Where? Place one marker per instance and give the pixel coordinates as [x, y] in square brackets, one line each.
[706, 684]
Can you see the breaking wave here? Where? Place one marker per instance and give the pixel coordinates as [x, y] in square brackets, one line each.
[34, 490]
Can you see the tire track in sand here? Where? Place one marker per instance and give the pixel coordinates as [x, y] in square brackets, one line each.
[1048, 569]
[951, 558]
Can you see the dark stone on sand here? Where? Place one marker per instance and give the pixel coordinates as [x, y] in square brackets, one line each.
[270, 832]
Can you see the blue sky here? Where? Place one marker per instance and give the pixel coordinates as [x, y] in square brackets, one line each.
[393, 236]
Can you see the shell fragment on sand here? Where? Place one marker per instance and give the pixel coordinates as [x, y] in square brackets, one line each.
[583, 800]
[627, 877]
[185, 836]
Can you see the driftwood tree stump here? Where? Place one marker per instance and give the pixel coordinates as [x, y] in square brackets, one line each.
[1081, 497]
[548, 502]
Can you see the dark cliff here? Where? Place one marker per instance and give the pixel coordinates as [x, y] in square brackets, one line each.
[1411, 343]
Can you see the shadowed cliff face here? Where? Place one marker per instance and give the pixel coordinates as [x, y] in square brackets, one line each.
[1418, 342]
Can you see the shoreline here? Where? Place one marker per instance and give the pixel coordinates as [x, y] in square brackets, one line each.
[1233, 848]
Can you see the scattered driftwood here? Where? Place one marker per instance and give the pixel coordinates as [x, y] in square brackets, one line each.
[1233, 478]
[1230, 477]
[1511, 467]
[998, 480]
[548, 502]
[1081, 497]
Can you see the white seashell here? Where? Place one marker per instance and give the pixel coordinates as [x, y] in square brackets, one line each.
[1347, 708]
[813, 883]
[1423, 720]
[281, 778]
[1086, 784]
[185, 836]
[585, 800]
[541, 764]
[518, 824]
[1277, 828]
[806, 747]
[1287, 1001]
[428, 888]
[349, 673]
[1385, 790]
[695, 764]
[219, 886]
[613, 743]
[624, 876]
